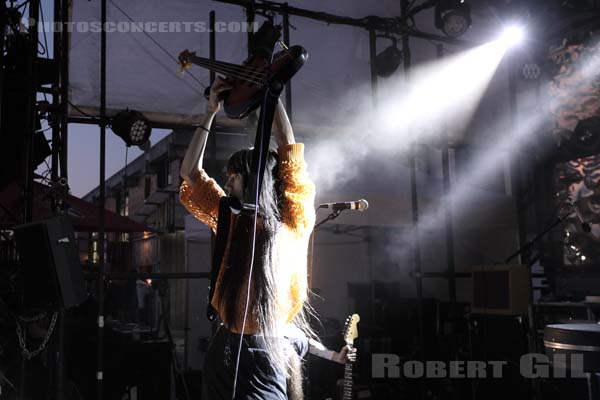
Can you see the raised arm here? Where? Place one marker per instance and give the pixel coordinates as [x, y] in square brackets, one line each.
[198, 193]
[282, 129]
[297, 210]
[192, 161]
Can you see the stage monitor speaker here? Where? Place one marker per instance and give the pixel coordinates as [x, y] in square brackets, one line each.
[52, 276]
[501, 289]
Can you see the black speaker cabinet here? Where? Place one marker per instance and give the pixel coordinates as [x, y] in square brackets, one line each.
[52, 276]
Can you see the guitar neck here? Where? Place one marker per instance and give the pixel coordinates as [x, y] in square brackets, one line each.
[228, 69]
[347, 382]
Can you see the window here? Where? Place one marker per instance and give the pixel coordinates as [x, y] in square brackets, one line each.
[95, 255]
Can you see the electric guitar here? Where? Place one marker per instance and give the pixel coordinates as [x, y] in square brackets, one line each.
[350, 333]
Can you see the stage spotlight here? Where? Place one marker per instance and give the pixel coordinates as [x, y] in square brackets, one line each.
[132, 127]
[512, 36]
[388, 61]
[453, 17]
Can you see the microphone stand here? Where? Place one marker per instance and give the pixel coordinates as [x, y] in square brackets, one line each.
[561, 217]
[557, 221]
[330, 217]
[333, 215]
[531, 320]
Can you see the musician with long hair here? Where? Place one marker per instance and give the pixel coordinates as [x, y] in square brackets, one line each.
[268, 368]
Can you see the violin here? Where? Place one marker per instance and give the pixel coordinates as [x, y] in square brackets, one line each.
[250, 79]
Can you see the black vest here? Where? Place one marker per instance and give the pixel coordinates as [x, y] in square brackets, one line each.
[223, 226]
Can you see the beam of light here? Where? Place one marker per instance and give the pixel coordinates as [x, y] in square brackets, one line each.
[493, 160]
[463, 197]
[445, 92]
[500, 152]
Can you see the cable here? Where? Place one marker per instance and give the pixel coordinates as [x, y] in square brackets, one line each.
[22, 4]
[83, 112]
[47, 165]
[423, 6]
[260, 157]
[44, 51]
[237, 361]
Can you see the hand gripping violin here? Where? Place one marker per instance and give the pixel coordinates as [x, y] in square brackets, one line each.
[250, 79]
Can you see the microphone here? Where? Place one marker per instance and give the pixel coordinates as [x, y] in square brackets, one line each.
[360, 205]
[584, 225]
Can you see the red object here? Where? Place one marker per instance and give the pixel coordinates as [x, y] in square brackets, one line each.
[83, 215]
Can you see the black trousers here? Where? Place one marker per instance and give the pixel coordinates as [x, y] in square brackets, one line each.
[257, 379]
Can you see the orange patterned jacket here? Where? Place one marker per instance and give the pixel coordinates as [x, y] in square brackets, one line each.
[291, 242]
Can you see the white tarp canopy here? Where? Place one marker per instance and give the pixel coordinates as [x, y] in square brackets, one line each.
[142, 72]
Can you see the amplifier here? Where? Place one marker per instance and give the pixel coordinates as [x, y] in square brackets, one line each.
[501, 289]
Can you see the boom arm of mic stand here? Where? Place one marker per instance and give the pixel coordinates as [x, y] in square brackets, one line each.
[531, 242]
[330, 217]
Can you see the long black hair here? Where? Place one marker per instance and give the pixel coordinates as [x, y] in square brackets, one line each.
[263, 308]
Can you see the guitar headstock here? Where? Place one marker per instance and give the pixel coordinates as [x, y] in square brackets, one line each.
[350, 328]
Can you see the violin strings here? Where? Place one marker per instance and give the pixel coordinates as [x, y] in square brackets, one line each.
[254, 77]
[235, 74]
[240, 68]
